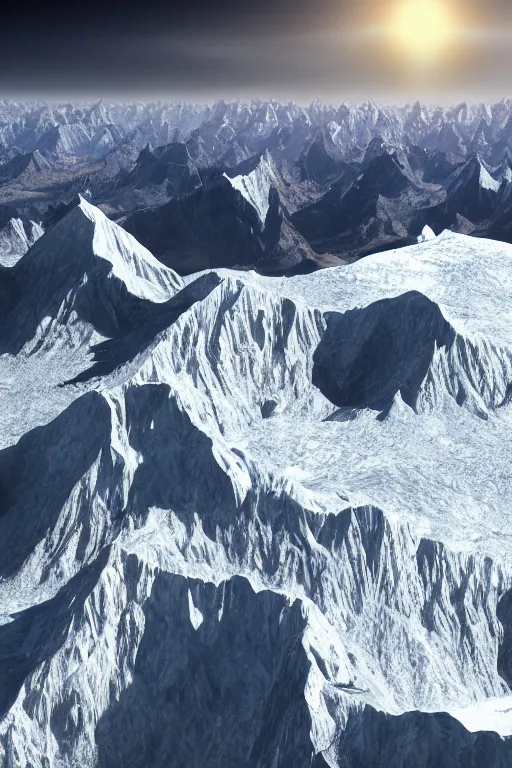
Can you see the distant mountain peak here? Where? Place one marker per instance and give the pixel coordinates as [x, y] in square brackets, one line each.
[255, 186]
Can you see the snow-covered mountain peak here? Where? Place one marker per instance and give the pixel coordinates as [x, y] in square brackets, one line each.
[86, 235]
[487, 181]
[264, 518]
[255, 185]
[475, 170]
[85, 279]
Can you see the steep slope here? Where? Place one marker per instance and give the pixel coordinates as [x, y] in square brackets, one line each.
[236, 220]
[156, 176]
[377, 211]
[236, 127]
[260, 527]
[446, 138]
[24, 169]
[170, 164]
[131, 157]
[434, 167]
[471, 192]
[66, 141]
[86, 278]
[500, 227]
[322, 163]
[16, 237]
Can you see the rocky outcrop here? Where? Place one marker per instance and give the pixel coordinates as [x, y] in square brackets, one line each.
[258, 524]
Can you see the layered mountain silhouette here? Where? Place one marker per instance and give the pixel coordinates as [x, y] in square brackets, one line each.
[375, 211]
[234, 220]
[350, 180]
[24, 168]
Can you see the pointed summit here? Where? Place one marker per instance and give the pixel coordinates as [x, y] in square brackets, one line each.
[255, 185]
[16, 237]
[86, 275]
[90, 237]
[236, 219]
[24, 168]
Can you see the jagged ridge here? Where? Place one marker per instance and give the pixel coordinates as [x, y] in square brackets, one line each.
[281, 480]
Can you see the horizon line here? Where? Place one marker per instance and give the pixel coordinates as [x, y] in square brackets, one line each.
[168, 99]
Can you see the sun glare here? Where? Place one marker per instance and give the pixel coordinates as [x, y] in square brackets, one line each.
[422, 30]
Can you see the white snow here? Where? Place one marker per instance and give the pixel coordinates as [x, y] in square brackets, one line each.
[134, 265]
[196, 617]
[385, 528]
[426, 234]
[255, 186]
[487, 181]
[490, 715]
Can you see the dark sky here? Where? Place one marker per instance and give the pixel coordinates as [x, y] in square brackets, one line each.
[259, 48]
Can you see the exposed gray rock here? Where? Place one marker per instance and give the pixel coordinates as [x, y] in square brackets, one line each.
[267, 524]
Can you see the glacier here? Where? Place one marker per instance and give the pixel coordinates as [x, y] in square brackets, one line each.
[255, 521]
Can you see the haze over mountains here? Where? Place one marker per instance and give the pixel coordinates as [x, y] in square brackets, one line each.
[254, 479]
[336, 183]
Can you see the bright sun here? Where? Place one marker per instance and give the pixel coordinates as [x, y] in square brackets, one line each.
[422, 29]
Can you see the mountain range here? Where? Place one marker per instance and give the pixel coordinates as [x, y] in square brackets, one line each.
[255, 403]
[340, 182]
[254, 520]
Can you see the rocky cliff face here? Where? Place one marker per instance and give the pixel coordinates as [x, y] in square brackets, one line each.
[254, 521]
[16, 237]
[234, 220]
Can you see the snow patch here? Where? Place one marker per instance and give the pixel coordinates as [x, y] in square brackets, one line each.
[255, 186]
[489, 715]
[487, 181]
[426, 234]
[196, 617]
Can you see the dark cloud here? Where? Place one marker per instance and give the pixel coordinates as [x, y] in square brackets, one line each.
[206, 50]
